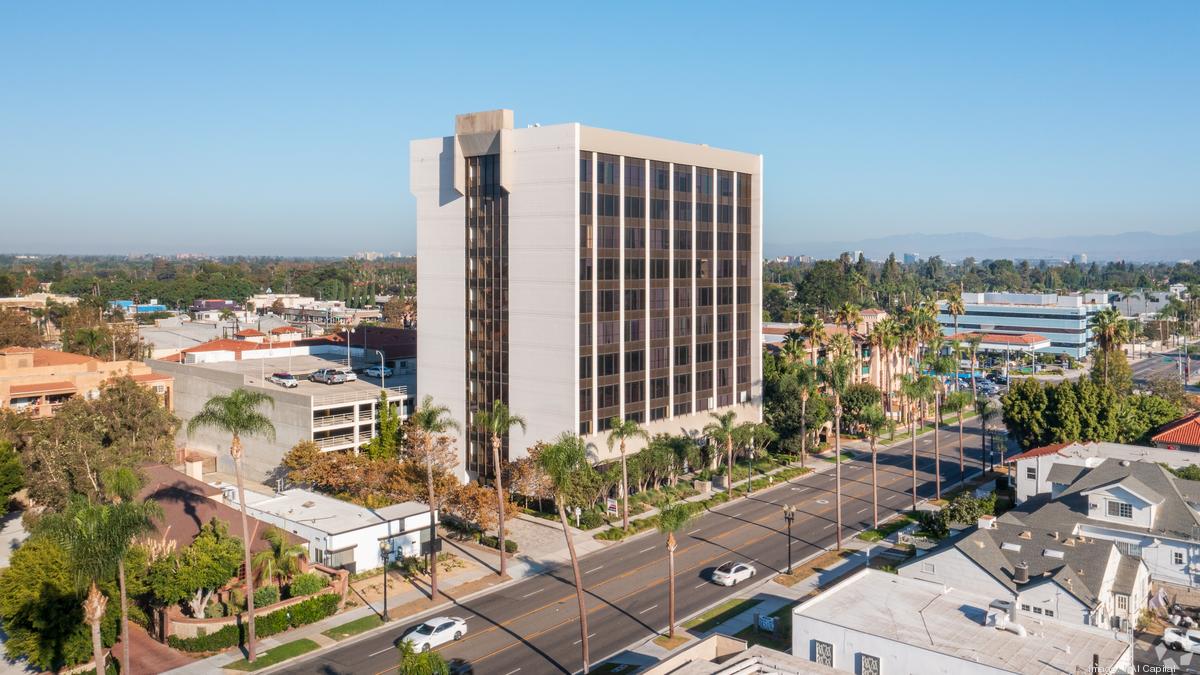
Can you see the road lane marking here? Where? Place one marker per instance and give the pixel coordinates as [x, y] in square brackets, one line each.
[648, 609]
[695, 530]
[863, 510]
[518, 669]
[701, 584]
[385, 649]
[590, 636]
[648, 548]
[827, 526]
[533, 593]
[597, 567]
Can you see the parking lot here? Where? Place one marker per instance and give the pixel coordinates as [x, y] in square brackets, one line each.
[257, 370]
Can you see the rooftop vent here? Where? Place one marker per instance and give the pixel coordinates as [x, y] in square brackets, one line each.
[1026, 534]
[1124, 462]
[1010, 546]
[1022, 573]
[308, 504]
[1051, 553]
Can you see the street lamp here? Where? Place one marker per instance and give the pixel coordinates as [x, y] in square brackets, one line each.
[789, 514]
[382, 375]
[385, 551]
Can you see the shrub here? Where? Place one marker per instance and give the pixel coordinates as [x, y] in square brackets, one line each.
[491, 541]
[302, 613]
[267, 595]
[588, 520]
[216, 610]
[307, 584]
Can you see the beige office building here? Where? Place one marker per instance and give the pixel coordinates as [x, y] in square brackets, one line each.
[580, 274]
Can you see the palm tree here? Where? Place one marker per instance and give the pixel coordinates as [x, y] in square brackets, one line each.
[90, 340]
[281, 560]
[131, 519]
[813, 330]
[429, 421]
[939, 365]
[916, 390]
[793, 347]
[957, 401]
[974, 340]
[229, 315]
[756, 436]
[561, 463]
[849, 315]
[497, 422]
[873, 422]
[986, 411]
[835, 375]
[1111, 331]
[721, 431]
[806, 379]
[619, 431]
[671, 519]
[955, 308]
[237, 414]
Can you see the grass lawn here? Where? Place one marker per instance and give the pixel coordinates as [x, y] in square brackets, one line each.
[845, 457]
[670, 644]
[719, 614]
[353, 627]
[781, 640]
[887, 529]
[272, 656]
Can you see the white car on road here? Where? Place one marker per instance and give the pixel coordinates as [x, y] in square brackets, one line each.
[731, 573]
[1182, 640]
[376, 371]
[436, 632]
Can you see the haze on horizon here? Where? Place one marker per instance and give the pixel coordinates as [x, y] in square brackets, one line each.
[283, 128]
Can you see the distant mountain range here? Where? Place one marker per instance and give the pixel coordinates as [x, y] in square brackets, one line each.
[1128, 246]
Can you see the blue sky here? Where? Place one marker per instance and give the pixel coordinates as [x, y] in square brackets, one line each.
[283, 128]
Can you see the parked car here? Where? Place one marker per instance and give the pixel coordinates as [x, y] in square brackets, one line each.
[349, 375]
[285, 380]
[461, 667]
[436, 631]
[1182, 640]
[378, 371]
[998, 378]
[732, 573]
[328, 376]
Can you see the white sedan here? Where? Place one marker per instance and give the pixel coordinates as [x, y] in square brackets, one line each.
[1182, 640]
[377, 371]
[436, 632]
[733, 572]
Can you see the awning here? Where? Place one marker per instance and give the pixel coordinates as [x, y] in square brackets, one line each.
[41, 389]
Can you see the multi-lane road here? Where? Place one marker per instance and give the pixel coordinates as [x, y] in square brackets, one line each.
[531, 626]
[1158, 365]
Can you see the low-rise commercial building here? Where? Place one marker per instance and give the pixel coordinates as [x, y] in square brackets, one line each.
[341, 534]
[1063, 319]
[875, 622]
[39, 381]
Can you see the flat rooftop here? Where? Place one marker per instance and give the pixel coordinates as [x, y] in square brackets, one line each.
[950, 621]
[181, 335]
[253, 370]
[322, 512]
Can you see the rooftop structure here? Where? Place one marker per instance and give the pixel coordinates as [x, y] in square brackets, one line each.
[39, 381]
[579, 274]
[880, 622]
[723, 655]
[1182, 434]
[340, 534]
[1031, 472]
[1062, 319]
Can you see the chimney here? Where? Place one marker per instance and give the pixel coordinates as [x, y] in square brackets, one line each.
[1021, 575]
[986, 522]
[1026, 534]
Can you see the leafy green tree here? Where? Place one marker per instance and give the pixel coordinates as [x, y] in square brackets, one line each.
[383, 444]
[1025, 408]
[498, 422]
[11, 478]
[237, 413]
[40, 608]
[193, 574]
[671, 519]
[619, 432]
[562, 463]
[425, 662]
[1111, 369]
[17, 331]
[858, 397]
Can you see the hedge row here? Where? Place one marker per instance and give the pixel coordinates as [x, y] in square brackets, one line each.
[492, 542]
[310, 611]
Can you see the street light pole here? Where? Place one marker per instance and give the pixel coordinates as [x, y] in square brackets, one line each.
[789, 514]
[382, 375]
[385, 549]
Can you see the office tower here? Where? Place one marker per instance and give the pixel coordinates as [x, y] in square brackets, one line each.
[578, 274]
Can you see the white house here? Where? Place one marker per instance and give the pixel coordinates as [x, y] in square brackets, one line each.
[341, 534]
[1034, 471]
[875, 622]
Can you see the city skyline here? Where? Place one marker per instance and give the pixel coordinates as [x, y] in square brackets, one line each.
[155, 129]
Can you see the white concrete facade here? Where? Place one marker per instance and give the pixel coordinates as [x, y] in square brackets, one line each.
[540, 169]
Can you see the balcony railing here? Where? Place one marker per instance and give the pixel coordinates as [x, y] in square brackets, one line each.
[333, 420]
[334, 441]
[394, 394]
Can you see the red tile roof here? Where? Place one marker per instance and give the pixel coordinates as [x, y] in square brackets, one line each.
[41, 389]
[152, 377]
[284, 329]
[250, 332]
[1038, 452]
[1002, 338]
[1183, 431]
[16, 350]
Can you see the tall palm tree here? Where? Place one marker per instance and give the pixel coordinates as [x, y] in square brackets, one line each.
[237, 413]
[430, 420]
[873, 422]
[957, 401]
[849, 315]
[888, 331]
[793, 347]
[620, 431]
[229, 315]
[813, 330]
[281, 560]
[986, 412]
[721, 431]
[835, 375]
[498, 422]
[130, 520]
[562, 462]
[806, 380]
[955, 308]
[91, 341]
[756, 436]
[940, 366]
[671, 519]
[914, 388]
[973, 341]
[1111, 331]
